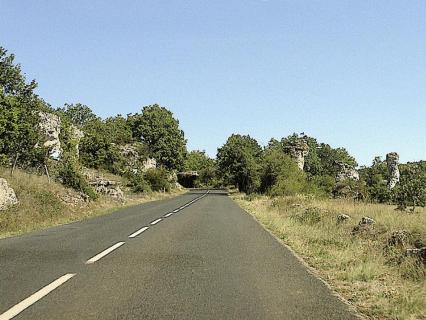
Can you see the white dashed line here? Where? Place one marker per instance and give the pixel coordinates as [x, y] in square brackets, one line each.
[156, 221]
[104, 253]
[21, 306]
[136, 233]
[177, 210]
[168, 215]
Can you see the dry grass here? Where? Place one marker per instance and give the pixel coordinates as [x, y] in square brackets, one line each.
[377, 278]
[41, 205]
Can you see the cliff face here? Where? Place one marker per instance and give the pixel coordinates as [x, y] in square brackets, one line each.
[298, 150]
[50, 128]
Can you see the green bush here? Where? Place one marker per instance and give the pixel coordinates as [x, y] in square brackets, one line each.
[138, 183]
[310, 216]
[158, 179]
[70, 176]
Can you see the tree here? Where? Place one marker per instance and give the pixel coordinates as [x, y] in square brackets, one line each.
[12, 80]
[157, 127]
[79, 114]
[239, 159]
[411, 190]
[205, 166]
[119, 130]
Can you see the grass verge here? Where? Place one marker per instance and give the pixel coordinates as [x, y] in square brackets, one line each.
[41, 204]
[367, 266]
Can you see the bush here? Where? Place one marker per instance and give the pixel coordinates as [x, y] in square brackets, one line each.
[138, 183]
[309, 216]
[158, 179]
[70, 176]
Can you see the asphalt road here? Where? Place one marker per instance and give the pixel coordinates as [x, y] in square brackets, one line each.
[207, 260]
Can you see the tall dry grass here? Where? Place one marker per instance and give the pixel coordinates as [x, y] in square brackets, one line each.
[41, 203]
[365, 268]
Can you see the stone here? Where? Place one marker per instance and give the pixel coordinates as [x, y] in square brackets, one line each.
[342, 217]
[419, 253]
[149, 163]
[346, 172]
[133, 159]
[392, 161]
[77, 135]
[104, 186]
[298, 150]
[7, 195]
[399, 238]
[366, 221]
[50, 128]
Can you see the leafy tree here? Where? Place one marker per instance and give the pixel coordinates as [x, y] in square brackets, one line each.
[239, 159]
[79, 114]
[375, 178]
[411, 190]
[205, 166]
[12, 80]
[119, 130]
[157, 127]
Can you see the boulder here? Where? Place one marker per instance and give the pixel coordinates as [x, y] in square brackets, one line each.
[366, 221]
[392, 161]
[419, 253]
[346, 172]
[50, 128]
[399, 238]
[342, 217]
[104, 186]
[77, 135]
[298, 150]
[7, 195]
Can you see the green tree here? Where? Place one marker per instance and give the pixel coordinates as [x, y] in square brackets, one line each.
[157, 127]
[411, 190]
[239, 159]
[79, 114]
[119, 129]
[205, 166]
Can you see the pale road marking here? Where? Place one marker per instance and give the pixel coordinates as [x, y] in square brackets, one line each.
[156, 221]
[168, 215]
[21, 306]
[105, 252]
[177, 210]
[136, 233]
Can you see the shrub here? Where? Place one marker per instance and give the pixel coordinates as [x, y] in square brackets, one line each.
[70, 176]
[158, 179]
[309, 216]
[138, 183]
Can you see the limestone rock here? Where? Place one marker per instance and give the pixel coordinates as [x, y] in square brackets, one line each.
[367, 221]
[133, 159]
[298, 150]
[342, 217]
[419, 253]
[104, 186]
[50, 127]
[392, 161]
[149, 163]
[399, 238]
[7, 195]
[346, 172]
[77, 135]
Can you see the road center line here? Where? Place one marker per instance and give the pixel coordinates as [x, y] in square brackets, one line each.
[168, 215]
[177, 210]
[136, 233]
[21, 306]
[156, 221]
[104, 253]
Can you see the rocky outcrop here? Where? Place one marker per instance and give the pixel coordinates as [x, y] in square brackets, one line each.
[187, 178]
[104, 186]
[7, 195]
[392, 161]
[133, 159]
[342, 217]
[50, 128]
[298, 150]
[346, 172]
[76, 135]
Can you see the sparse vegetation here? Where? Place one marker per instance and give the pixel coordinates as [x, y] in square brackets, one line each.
[369, 268]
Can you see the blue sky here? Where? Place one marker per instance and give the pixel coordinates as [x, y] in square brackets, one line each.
[350, 73]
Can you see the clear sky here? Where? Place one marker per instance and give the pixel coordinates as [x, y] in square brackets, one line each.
[350, 73]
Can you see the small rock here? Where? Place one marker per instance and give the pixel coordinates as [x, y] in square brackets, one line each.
[419, 253]
[7, 195]
[399, 238]
[342, 217]
[366, 220]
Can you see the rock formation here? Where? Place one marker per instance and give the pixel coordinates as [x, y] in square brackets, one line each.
[50, 127]
[149, 163]
[77, 135]
[346, 172]
[102, 185]
[7, 195]
[298, 150]
[133, 159]
[342, 217]
[392, 161]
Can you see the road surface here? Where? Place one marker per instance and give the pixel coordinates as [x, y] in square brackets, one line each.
[196, 256]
